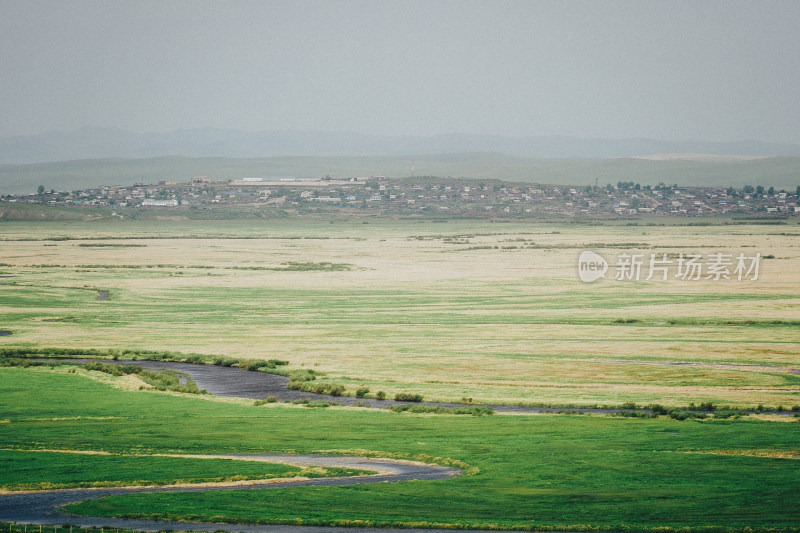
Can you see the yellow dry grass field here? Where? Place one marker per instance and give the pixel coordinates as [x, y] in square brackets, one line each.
[491, 311]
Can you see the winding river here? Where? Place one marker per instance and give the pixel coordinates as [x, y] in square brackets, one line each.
[236, 382]
[42, 507]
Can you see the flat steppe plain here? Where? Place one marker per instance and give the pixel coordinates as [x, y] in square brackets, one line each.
[492, 311]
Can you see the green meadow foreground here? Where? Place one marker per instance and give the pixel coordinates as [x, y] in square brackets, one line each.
[488, 311]
[521, 471]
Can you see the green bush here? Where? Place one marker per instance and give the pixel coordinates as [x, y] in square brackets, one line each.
[302, 375]
[418, 409]
[380, 395]
[473, 410]
[678, 414]
[361, 392]
[114, 370]
[316, 387]
[407, 397]
[25, 363]
[634, 414]
[257, 364]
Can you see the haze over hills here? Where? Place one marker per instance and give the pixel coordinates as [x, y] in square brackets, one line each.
[90, 157]
[100, 143]
[781, 172]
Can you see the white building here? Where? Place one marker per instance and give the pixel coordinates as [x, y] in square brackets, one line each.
[150, 202]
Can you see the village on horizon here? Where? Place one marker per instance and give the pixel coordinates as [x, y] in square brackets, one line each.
[427, 196]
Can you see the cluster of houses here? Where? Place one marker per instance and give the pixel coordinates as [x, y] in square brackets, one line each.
[377, 194]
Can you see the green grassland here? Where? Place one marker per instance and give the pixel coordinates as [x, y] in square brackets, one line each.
[536, 471]
[491, 311]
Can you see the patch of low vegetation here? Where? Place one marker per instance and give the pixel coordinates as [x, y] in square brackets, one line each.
[109, 245]
[657, 409]
[269, 366]
[316, 387]
[700, 411]
[304, 374]
[681, 414]
[634, 414]
[727, 413]
[298, 266]
[269, 399]
[693, 411]
[747, 322]
[292, 266]
[703, 406]
[24, 363]
[432, 409]
[114, 370]
[407, 397]
[321, 404]
[162, 381]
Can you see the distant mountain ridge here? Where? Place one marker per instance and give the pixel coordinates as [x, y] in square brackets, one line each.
[102, 143]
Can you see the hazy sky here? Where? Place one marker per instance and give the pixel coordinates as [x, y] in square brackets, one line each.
[673, 70]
